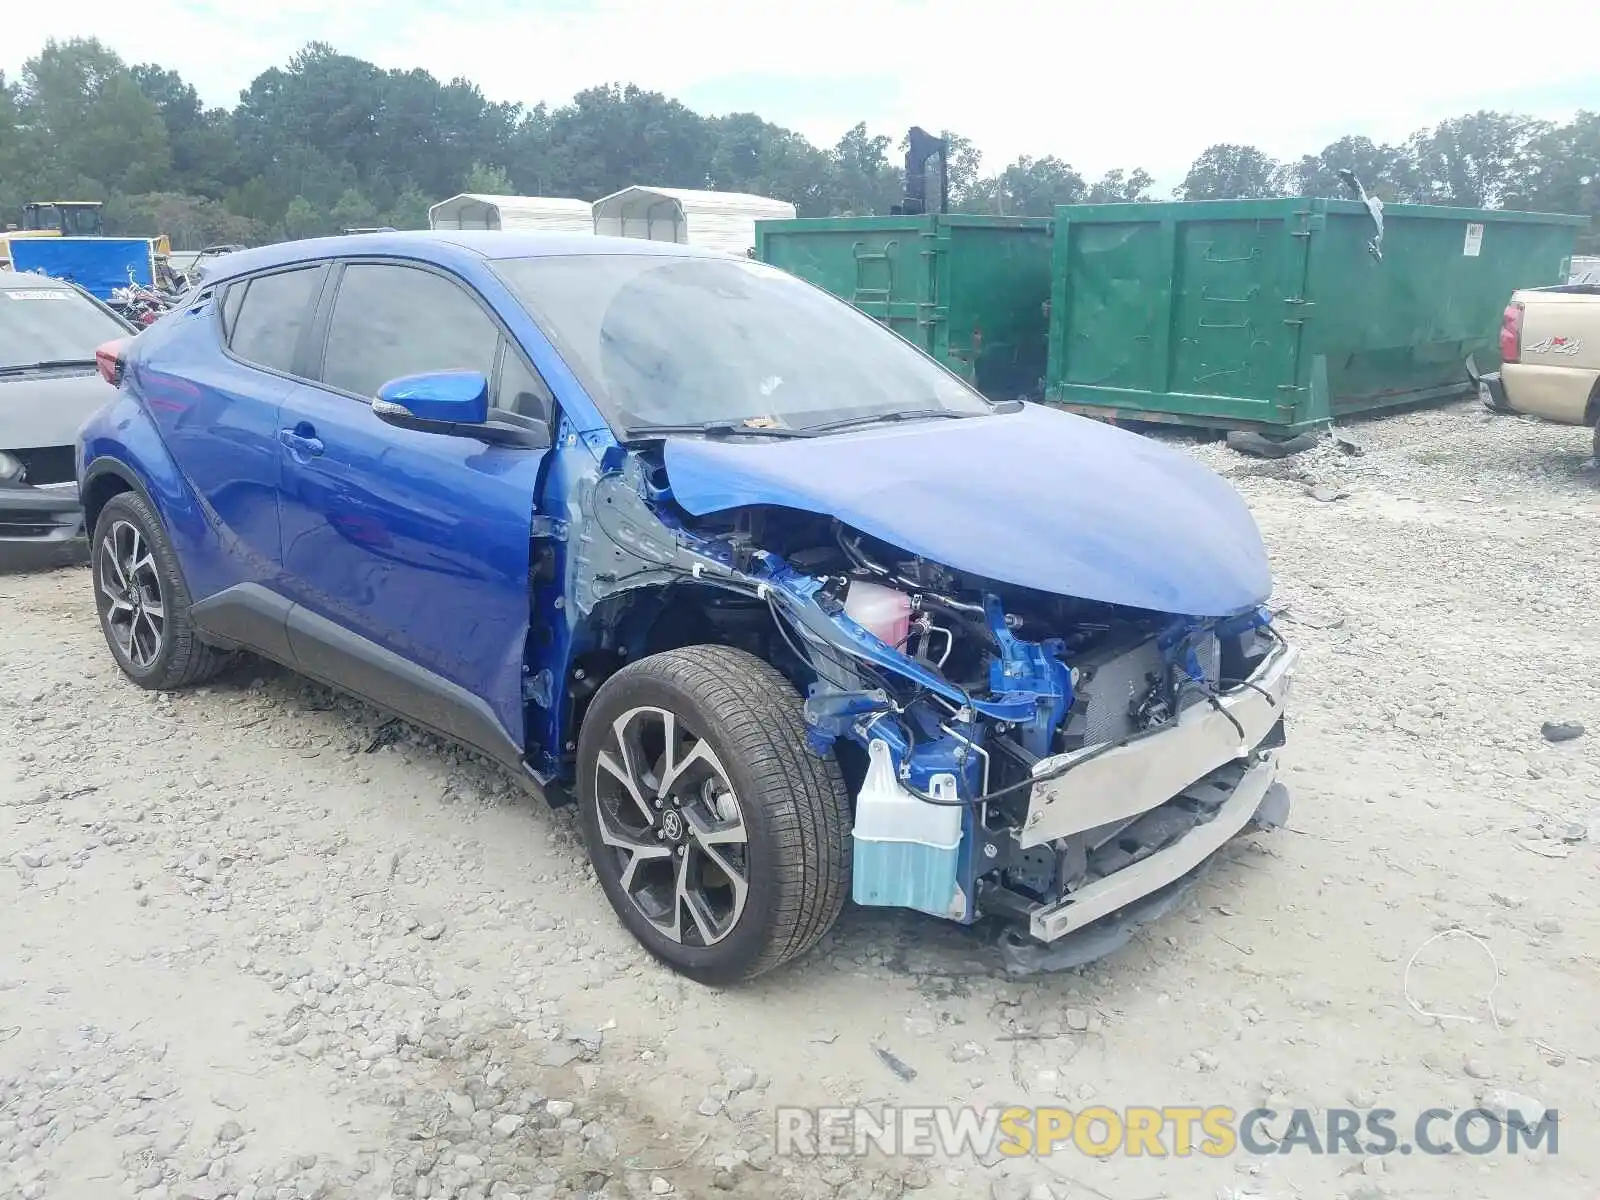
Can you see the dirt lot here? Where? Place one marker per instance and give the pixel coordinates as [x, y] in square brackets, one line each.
[250, 946]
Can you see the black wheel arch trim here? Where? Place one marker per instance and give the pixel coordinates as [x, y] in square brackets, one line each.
[99, 469]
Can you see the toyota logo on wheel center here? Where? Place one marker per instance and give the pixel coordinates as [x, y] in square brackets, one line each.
[672, 825]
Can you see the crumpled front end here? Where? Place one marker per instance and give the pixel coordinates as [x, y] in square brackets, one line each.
[1121, 819]
[1043, 722]
[1090, 755]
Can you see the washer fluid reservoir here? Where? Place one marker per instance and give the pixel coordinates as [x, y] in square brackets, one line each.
[884, 612]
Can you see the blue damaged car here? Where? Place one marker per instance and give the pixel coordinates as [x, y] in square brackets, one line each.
[788, 611]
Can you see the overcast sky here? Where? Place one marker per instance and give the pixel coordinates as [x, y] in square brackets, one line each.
[1102, 85]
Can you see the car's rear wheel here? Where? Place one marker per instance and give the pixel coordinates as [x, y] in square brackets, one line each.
[720, 840]
[143, 601]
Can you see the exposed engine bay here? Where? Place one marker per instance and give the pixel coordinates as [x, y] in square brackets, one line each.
[1009, 751]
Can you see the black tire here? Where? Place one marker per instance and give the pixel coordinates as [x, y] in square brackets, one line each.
[792, 806]
[179, 658]
[1597, 445]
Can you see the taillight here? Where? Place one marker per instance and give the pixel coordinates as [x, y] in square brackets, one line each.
[1511, 333]
[108, 357]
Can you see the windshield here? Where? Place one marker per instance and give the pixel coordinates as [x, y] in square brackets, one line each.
[82, 220]
[51, 324]
[662, 340]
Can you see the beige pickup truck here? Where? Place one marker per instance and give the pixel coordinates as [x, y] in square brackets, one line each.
[1550, 356]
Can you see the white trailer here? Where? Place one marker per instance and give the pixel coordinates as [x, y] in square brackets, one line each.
[474, 211]
[718, 220]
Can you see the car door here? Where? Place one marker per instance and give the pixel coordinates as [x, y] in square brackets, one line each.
[213, 379]
[407, 552]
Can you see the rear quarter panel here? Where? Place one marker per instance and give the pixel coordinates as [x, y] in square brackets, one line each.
[132, 438]
[121, 441]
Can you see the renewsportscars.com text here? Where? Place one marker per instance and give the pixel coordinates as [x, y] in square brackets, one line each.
[1158, 1132]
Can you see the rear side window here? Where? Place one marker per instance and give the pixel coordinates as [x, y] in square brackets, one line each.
[231, 299]
[390, 321]
[268, 319]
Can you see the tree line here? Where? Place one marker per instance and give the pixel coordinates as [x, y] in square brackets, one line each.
[329, 141]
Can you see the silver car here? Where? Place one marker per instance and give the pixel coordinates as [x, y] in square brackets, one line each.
[49, 382]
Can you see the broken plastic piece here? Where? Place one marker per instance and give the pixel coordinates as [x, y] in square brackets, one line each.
[1023, 956]
[1273, 811]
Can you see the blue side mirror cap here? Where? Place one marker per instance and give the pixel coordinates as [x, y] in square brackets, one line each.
[443, 397]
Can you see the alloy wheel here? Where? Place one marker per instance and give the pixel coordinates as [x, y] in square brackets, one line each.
[130, 587]
[669, 816]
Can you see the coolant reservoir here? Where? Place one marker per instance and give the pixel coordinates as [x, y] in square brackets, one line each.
[905, 850]
[884, 612]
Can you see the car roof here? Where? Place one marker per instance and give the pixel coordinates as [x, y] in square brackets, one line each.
[446, 247]
[31, 279]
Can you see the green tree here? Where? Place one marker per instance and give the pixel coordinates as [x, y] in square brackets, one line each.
[192, 222]
[322, 100]
[1229, 172]
[752, 155]
[13, 159]
[205, 157]
[301, 219]
[863, 180]
[1121, 187]
[1032, 187]
[1473, 160]
[409, 211]
[611, 136]
[1559, 171]
[529, 160]
[488, 180]
[354, 211]
[86, 121]
[1387, 172]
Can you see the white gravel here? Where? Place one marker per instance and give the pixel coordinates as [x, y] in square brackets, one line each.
[241, 956]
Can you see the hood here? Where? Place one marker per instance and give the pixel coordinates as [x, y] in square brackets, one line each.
[1037, 498]
[48, 408]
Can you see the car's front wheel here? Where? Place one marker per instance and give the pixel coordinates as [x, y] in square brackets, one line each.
[143, 601]
[720, 840]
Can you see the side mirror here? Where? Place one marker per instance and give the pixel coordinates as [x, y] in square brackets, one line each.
[437, 401]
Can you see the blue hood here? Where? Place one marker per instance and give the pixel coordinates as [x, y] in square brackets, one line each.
[1037, 498]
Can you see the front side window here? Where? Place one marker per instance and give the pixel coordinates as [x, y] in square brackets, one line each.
[390, 321]
[50, 323]
[271, 315]
[666, 340]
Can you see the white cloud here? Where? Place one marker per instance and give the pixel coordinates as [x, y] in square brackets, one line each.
[1101, 85]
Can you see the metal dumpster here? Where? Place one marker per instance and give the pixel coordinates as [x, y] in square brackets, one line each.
[969, 290]
[1279, 315]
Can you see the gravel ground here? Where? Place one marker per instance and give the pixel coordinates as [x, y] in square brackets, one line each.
[257, 942]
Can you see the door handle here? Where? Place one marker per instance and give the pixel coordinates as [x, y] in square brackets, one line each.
[301, 440]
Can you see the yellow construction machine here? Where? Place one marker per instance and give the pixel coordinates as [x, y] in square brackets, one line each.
[66, 218]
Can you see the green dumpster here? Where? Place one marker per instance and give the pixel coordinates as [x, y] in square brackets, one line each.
[1278, 315]
[969, 290]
